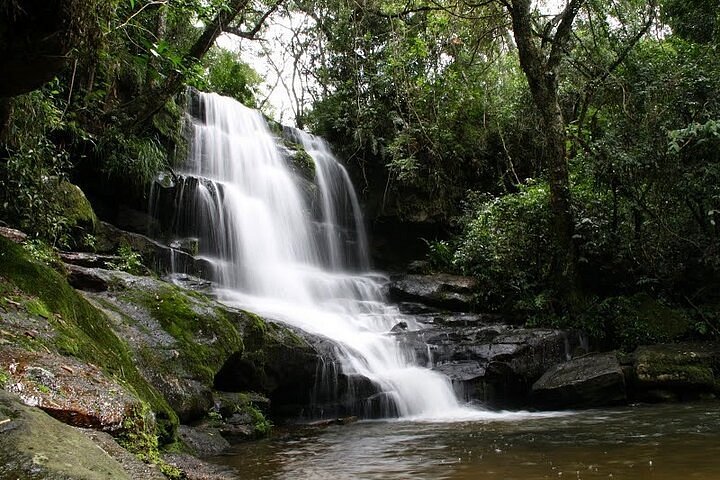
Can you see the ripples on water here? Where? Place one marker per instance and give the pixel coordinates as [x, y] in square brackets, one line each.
[644, 442]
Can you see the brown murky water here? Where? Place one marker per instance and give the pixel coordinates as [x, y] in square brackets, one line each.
[641, 442]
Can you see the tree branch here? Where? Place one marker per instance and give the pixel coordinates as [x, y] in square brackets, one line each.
[562, 34]
[250, 35]
[147, 105]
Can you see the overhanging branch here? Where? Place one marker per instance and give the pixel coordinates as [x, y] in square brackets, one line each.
[250, 34]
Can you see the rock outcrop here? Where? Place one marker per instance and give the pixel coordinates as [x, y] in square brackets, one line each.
[593, 380]
[159, 257]
[675, 371]
[135, 356]
[653, 373]
[489, 362]
[35, 445]
[74, 392]
[441, 290]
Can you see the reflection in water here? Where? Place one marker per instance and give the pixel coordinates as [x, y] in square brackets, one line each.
[644, 442]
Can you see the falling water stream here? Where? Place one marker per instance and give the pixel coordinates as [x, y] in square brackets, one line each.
[277, 253]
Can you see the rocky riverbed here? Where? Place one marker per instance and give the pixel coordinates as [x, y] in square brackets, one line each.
[159, 374]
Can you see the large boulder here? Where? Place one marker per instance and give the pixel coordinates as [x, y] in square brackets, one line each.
[440, 290]
[676, 371]
[75, 207]
[178, 340]
[593, 380]
[35, 445]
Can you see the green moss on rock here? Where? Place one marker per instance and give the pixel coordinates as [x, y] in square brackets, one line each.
[304, 163]
[205, 334]
[75, 207]
[681, 366]
[80, 329]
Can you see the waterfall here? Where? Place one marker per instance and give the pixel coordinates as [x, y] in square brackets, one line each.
[305, 263]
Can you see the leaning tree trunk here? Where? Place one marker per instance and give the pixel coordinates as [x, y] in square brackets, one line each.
[147, 105]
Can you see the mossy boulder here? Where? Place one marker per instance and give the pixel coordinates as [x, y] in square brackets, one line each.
[74, 206]
[179, 339]
[34, 445]
[676, 370]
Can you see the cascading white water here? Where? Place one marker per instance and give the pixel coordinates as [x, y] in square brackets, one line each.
[340, 209]
[276, 262]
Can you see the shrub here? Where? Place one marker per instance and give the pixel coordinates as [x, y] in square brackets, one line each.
[506, 243]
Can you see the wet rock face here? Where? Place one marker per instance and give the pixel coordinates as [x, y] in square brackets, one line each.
[594, 380]
[35, 445]
[73, 392]
[161, 258]
[298, 371]
[488, 362]
[440, 290]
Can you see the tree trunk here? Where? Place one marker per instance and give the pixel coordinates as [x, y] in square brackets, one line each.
[541, 70]
[5, 111]
[160, 30]
[564, 258]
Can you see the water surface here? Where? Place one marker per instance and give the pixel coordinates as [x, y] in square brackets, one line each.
[641, 442]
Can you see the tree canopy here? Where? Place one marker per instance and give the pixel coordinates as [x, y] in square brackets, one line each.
[568, 151]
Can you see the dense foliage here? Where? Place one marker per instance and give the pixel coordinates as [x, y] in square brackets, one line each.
[432, 103]
[495, 119]
[84, 125]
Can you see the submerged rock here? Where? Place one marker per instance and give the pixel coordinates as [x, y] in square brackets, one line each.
[594, 380]
[440, 290]
[192, 468]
